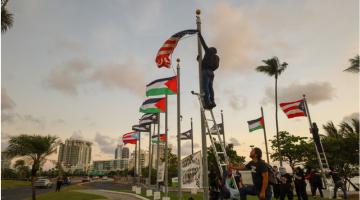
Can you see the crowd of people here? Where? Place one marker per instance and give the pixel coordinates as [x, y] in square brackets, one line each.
[271, 181]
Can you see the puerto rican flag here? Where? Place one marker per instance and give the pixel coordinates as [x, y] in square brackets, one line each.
[294, 109]
[163, 56]
[131, 137]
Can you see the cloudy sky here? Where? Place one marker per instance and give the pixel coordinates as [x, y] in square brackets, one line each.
[79, 68]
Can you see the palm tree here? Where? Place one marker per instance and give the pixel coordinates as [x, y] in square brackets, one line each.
[7, 18]
[274, 68]
[34, 147]
[354, 65]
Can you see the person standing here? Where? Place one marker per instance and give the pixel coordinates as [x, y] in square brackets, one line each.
[339, 183]
[300, 184]
[285, 185]
[276, 187]
[316, 182]
[58, 184]
[260, 177]
[209, 64]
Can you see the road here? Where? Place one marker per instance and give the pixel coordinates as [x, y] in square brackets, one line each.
[21, 193]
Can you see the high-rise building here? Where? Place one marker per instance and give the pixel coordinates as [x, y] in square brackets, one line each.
[161, 153]
[125, 153]
[75, 154]
[122, 152]
[110, 165]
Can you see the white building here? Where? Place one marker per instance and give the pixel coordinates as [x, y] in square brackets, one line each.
[75, 154]
[110, 165]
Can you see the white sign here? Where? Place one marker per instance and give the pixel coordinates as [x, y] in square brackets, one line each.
[166, 198]
[148, 193]
[246, 177]
[191, 170]
[138, 190]
[161, 172]
[156, 195]
[133, 188]
[194, 190]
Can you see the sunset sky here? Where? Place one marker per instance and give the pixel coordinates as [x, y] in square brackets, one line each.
[79, 68]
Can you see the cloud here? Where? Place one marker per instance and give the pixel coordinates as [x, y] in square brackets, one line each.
[348, 118]
[69, 76]
[34, 120]
[234, 141]
[236, 101]
[77, 135]
[316, 92]
[120, 76]
[7, 103]
[235, 47]
[106, 144]
[9, 117]
[186, 148]
[73, 74]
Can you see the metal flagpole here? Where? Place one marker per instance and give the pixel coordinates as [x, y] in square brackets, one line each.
[316, 149]
[135, 163]
[192, 137]
[178, 129]
[158, 152]
[266, 146]
[203, 132]
[223, 127]
[166, 146]
[150, 157]
[139, 152]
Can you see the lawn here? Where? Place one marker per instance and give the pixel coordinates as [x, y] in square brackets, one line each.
[8, 184]
[68, 193]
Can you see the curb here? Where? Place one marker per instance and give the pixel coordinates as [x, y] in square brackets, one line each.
[131, 194]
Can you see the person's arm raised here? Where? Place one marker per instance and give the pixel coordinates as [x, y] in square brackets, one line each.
[203, 42]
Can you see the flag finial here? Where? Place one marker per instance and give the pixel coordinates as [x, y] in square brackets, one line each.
[198, 11]
[178, 60]
[304, 95]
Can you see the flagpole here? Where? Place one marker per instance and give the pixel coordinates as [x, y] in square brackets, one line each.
[203, 133]
[150, 158]
[223, 127]
[316, 149]
[166, 146]
[135, 163]
[139, 164]
[192, 136]
[266, 146]
[158, 152]
[178, 129]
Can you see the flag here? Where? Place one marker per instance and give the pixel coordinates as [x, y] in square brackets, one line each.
[153, 105]
[148, 118]
[256, 124]
[294, 109]
[162, 139]
[187, 135]
[131, 137]
[213, 130]
[162, 86]
[144, 128]
[163, 56]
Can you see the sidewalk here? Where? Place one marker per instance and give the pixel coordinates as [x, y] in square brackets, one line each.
[113, 195]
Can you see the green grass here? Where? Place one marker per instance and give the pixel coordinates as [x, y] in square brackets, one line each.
[68, 193]
[8, 184]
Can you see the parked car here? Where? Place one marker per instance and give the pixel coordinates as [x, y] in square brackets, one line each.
[104, 178]
[85, 179]
[43, 182]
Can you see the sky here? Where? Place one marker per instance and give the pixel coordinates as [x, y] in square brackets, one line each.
[79, 68]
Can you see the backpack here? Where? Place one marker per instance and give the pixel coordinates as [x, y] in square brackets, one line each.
[211, 61]
[272, 177]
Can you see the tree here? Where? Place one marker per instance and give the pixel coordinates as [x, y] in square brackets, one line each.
[294, 149]
[34, 147]
[7, 18]
[22, 170]
[274, 68]
[354, 65]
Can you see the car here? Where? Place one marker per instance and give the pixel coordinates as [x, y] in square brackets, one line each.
[42, 182]
[104, 178]
[85, 179]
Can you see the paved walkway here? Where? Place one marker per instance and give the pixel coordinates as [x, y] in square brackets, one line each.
[113, 195]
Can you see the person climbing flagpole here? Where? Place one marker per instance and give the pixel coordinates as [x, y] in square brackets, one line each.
[202, 120]
[265, 139]
[178, 129]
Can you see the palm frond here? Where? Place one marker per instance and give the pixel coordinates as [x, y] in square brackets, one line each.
[7, 19]
[354, 64]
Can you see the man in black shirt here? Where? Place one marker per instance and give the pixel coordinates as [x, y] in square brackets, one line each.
[339, 183]
[285, 185]
[209, 64]
[260, 177]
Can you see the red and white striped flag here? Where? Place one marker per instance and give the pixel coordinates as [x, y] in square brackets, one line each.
[294, 109]
[163, 56]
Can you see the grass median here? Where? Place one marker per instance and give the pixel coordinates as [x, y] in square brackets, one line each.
[9, 184]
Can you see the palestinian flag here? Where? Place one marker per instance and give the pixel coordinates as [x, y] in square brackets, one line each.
[131, 137]
[162, 139]
[256, 124]
[153, 105]
[162, 86]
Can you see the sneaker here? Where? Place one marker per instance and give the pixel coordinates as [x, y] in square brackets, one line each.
[212, 105]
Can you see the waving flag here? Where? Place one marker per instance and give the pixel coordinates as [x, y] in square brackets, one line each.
[162, 139]
[149, 118]
[163, 56]
[131, 137]
[145, 128]
[256, 124]
[294, 109]
[162, 86]
[213, 130]
[186, 135]
[153, 105]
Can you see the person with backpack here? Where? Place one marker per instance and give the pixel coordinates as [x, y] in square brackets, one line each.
[260, 175]
[300, 184]
[316, 182]
[339, 183]
[209, 64]
[286, 188]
